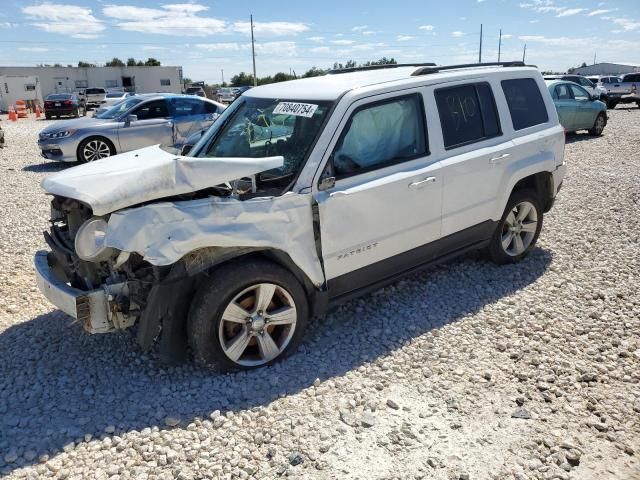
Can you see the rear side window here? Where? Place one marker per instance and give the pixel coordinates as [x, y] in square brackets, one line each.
[467, 113]
[93, 91]
[381, 134]
[526, 105]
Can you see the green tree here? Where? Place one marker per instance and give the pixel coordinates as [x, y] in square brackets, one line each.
[152, 62]
[131, 62]
[115, 62]
[241, 79]
[314, 72]
[85, 64]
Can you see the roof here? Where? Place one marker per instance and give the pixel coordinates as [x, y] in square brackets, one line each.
[331, 87]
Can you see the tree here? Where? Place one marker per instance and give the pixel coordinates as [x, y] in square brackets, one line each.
[140, 63]
[187, 81]
[115, 62]
[242, 79]
[57, 64]
[152, 62]
[131, 62]
[85, 64]
[313, 72]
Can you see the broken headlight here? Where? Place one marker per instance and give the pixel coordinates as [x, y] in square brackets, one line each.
[90, 241]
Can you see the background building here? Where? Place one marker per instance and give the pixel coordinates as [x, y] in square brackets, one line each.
[22, 87]
[130, 79]
[604, 69]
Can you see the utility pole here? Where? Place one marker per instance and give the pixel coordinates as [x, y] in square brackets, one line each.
[524, 52]
[594, 57]
[222, 71]
[480, 50]
[499, 45]
[253, 53]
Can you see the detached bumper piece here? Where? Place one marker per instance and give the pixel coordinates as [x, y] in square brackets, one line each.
[91, 308]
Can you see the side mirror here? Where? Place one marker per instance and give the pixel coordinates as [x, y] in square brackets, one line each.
[185, 149]
[130, 118]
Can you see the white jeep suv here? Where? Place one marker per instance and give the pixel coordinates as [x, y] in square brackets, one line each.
[302, 195]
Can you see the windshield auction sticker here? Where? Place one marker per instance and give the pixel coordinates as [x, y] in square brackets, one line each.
[297, 109]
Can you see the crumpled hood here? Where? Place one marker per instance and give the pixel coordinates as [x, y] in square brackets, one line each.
[131, 178]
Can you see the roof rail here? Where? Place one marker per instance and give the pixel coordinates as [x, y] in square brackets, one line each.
[425, 70]
[377, 67]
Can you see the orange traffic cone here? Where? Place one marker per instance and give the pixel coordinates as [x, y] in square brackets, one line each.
[37, 110]
[12, 114]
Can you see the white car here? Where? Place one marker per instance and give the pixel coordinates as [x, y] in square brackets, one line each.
[111, 98]
[304, 194]
[95, 96]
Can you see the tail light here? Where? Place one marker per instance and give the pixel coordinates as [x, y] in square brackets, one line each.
[67, 102]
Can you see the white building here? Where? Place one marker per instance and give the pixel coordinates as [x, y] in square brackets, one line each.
[131, 79]
[19, 87]
[607, 69]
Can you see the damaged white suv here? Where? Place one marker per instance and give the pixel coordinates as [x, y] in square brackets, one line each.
[302, 195]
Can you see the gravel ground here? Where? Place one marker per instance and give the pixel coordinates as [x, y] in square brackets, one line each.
[468, 371]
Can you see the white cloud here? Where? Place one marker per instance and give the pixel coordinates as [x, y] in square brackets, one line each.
[316, 39]
[8, 25]
[404, 38]
[342, 42]
[359, 28]
[598, 12]
[33, 49]
[369, 32]
[627, 24]
[223, 47]
[507, 36]
[321, 50]
[173, 19]
[457, 34]
[568, 12]
[152, 48]
[270, 28]
[428, 28]
[71, 20]
[266, 48]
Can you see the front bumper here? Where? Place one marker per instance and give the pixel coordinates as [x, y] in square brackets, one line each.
[59, 149]
[91, 308]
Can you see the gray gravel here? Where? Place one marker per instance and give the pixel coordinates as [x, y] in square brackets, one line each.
[468, 371]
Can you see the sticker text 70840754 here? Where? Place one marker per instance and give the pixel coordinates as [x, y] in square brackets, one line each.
[297, 109]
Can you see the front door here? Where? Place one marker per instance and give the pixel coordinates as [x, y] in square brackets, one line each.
[386, 201]
[153, 126]
[585, 117]
[565, 105]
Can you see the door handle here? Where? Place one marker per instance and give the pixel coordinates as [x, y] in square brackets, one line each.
[422, 182]
[500, 158]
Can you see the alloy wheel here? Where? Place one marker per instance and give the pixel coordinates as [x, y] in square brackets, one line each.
[95, 150]
[599, 124]
[257, 324]
[519, 228]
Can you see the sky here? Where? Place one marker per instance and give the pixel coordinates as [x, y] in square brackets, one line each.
[210, 39]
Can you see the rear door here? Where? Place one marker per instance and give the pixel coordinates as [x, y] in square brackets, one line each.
[153, 126]
[565, 105]
[585, 110]
[386, 201]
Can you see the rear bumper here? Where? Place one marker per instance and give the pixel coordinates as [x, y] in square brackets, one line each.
[60, 111]
[91, 308]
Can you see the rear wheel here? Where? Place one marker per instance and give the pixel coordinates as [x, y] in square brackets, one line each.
[518, 229]
[246, 315]
[611, 104]
[47, 116]
[76, 114]
[95, 148]
[598, 126]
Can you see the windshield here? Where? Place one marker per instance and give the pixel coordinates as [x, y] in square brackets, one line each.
[115, 95]
[120, 108]
[260, 127]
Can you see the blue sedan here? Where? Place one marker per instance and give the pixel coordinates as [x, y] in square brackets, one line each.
[577, 108]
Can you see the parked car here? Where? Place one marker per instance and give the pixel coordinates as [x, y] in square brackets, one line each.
[96, 96]
[136, 122]
[63, 104]
[613, 89]
[630, 83]
[225, 95]
[374, 174]
[111, 98]
[584, 82]
[198, 91]
[577, 108]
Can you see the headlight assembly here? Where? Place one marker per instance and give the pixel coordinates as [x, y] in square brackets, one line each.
[90, 241]
[62, 134]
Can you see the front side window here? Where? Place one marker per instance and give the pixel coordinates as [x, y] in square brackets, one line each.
[526, 106]
[579, 93]
[120, 108]
[182, 107]
[381, 134]
[467, 113]
[149, 110]
[585, 82]
[263, 127]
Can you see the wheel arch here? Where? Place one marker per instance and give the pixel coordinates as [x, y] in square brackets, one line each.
[542, 184]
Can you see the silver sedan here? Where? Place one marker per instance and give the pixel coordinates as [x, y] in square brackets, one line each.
[137, 122]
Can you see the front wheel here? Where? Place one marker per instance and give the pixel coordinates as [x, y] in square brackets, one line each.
[518, 229]
[247, 314]
[599, 124]
[95, 148]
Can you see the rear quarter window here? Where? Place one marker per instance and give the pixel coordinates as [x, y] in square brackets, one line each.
[468, 114]
[526, 105]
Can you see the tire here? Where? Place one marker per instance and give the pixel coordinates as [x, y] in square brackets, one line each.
[638, 104]
[598, 125]
[504, 249]
[77, 113]
[611, 104]
[236, 284]
[47, 116]
[94, 148]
